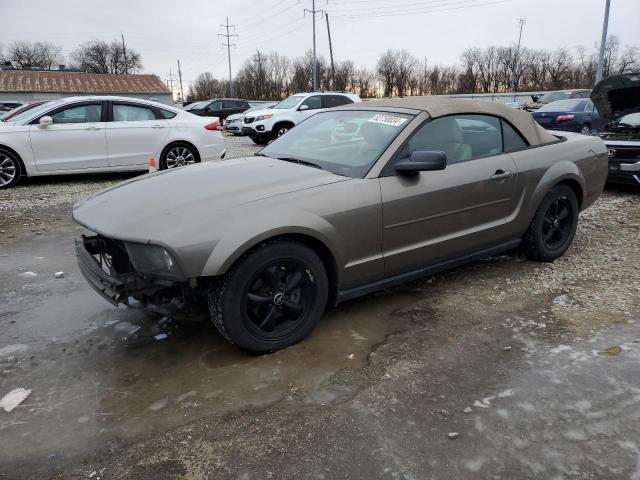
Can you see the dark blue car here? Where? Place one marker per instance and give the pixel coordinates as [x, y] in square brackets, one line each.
[572, 115]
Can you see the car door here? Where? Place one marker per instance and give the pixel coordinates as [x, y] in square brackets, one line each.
[134, 134]
[214, 109]
[435, 216]
[313, 104]
[76, 139]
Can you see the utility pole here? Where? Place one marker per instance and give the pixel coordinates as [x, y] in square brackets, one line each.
[170, 82]
[229, 45]
[333, 69]
[124, 51]
[314, 78]
[603, 41]
[521, 22]
[180, 78]
[259, 59]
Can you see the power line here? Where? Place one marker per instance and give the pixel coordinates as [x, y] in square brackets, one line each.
[229, 45]
[431, 9]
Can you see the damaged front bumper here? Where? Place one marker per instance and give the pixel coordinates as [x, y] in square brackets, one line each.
[105, 265]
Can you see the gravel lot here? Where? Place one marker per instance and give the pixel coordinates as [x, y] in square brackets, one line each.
[30, 204]
[504, 368]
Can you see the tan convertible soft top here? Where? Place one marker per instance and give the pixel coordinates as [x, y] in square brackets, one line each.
[441, 106]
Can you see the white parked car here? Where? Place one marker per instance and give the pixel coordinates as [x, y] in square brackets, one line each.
[233, 123]
[265, 125]
[101, 134]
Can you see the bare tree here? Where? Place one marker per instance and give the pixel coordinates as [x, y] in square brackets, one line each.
[34, 55]
[98, 56]
[387, 70]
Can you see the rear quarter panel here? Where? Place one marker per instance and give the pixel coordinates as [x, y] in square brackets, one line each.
[578, 158]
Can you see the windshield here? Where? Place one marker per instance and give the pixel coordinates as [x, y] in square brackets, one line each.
[31, 112]
[564, 106]
[289, 102]
[197, 105]
[553, 96]
[346, 143]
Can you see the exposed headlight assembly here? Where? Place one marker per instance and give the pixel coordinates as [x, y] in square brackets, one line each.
[152, 259]
[263, 117]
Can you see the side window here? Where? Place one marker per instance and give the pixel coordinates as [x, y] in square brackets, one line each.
[314, 102]
[217, 105]
[79, 114]
[132, 113]
[167, 113]
[512, 139]
[329, 101]
[460, 137]
[229, 104]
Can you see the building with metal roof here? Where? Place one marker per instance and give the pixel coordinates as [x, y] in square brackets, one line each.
[30, 85]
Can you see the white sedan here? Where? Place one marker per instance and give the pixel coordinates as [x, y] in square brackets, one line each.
[103, 134]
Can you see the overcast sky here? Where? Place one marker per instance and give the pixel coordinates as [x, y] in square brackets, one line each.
[164, 31]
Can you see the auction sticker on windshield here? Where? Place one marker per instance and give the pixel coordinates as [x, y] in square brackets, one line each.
[392, 120]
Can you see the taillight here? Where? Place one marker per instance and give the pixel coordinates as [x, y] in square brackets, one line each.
[564, 118]
[213, 126]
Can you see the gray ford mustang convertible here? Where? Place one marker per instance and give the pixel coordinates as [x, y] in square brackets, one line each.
[352, 200]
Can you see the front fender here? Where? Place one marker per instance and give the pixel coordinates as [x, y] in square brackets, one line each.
[239, 237]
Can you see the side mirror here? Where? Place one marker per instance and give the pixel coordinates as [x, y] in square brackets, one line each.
[303, 108]
[422, 161]
[45, 121]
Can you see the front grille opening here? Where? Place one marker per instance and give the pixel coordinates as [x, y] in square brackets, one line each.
[110, 254]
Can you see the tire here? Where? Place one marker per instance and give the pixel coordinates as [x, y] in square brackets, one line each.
[260, 140]
[554, 225]
[271, 298]
[178, 154]
[10, 169]
[281, 129]
[586, 129]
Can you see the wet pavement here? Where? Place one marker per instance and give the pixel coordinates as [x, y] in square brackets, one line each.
[502, 369]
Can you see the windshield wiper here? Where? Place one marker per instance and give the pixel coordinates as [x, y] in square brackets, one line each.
[299, 161]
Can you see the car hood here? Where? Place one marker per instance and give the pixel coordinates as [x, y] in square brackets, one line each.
[172, 206]
[266, 111]
[617, 94]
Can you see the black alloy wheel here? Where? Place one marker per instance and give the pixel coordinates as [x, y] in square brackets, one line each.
[271, 298]
[277, 298]
[554, 225]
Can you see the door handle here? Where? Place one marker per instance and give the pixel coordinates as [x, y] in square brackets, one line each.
[501, 175]
[157, 126]
[92, 128]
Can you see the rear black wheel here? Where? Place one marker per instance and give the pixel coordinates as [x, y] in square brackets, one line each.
[178, 155]
[553, 226]
[10, 169]
[272, 298]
